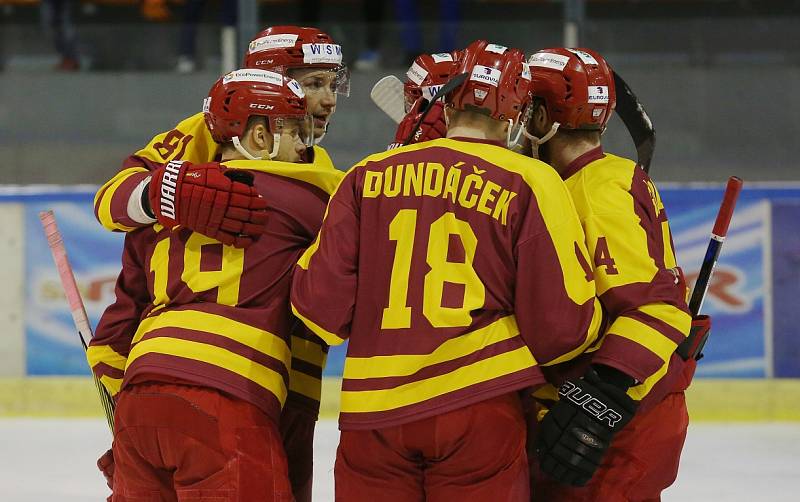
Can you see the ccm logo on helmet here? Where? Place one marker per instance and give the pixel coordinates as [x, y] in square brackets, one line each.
[168, 183]
[591, 404]
[261, 106]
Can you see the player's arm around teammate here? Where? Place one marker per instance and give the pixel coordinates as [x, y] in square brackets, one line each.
[639, 284]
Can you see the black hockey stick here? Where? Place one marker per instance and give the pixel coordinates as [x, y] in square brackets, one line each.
[446, 88]
[692, 347]
[636, 120]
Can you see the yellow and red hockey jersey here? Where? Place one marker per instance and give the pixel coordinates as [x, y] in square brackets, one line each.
[456, 269]
[191, 310]
[633, 260]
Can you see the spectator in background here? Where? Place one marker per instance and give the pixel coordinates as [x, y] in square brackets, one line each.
[57, 23]
[407, 12]
[370, 58]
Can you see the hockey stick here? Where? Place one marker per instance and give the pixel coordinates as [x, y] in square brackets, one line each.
[692, 347]
[388, 95]
[449, 86]
[76, 307]
[636, 120]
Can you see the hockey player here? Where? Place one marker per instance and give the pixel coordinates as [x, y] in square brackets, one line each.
[201, 376]
[642, 291]
[122, 204]
[426, 75]
[447, 264]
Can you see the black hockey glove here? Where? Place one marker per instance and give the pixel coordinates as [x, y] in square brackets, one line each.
[578, 429]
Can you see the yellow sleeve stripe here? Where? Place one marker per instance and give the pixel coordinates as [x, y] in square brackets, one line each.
[257, 339]
[638, 392]
[324, 179]
[305, 385]
[669, 253]
[403, 365]
[111, 384]
[308, 351]
[429, 388]
[644, 335]
[97, 354]
[215, 356]
[318, 330]
[591, 336]
[107, 195]
[669, 314]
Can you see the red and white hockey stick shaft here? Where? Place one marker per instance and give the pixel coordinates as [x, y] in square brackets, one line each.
[74, 299]
[692, 347]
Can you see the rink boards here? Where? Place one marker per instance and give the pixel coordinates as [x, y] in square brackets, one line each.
[753, 298]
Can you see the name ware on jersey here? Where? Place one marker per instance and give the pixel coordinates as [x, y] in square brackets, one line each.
[463, 185]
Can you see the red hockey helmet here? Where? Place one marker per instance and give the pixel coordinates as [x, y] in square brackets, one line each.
[281, 48]
[498, 81]
[241, 94]
[577, 86]
[427, 74]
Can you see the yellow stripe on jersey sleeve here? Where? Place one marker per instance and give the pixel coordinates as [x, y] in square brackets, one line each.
[429, 388]
[257, 339]
[324, 179]
[644, 335]
[308, 351]
[402, 365]
[669, 314]
[113, 385]
[318, 330]
[105, 196]
[305, 385]
[215, 356]
[97, 354]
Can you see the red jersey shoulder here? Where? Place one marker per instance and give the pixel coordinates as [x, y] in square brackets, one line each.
[298, 200]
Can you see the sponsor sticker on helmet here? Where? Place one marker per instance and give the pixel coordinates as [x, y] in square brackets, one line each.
[584, 56]
[429, 91]
[272, 42]
[322, 54]
[295, 87]
[549, 60]
[479, 94]
[526, 71]
[486, 75]
[598, 94]
[416, 73]
[442, 57]
[268, 77]
[496, 48]
[207, 104]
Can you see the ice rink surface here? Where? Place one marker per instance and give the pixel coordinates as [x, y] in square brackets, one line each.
[45, 460]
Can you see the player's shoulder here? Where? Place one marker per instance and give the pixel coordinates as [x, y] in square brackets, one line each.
[609, 168]
[305, 177]
[606, 184]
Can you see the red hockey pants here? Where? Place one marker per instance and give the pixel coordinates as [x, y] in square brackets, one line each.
[179, 443]
[473, 453]
[641, 462]
[297, 430]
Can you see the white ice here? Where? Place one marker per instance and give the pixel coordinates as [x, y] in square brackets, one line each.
[53, 459]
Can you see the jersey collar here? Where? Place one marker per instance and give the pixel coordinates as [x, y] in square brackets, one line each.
[479, 140]
[581, 162]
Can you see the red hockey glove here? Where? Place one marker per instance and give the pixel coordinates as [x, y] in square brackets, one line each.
[432, 127]
[209, 199]
[106, 466]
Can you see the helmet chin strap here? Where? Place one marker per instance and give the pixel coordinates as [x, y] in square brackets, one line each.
[511, 143]
[535, 142]
[276, 143]
[318, 140]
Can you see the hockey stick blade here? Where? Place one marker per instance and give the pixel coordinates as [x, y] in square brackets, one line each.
[691, 347]
[388, 95]
[76, 307]
[448, 87]
[636, 120]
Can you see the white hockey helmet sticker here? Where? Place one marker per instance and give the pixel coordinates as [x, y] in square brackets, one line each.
[429, 91]
[272, 42]
[549, 60]
[322, 54]
[479, 94]
[266, 76]
[295, 87]
[442, 57]
[584, 56]
[417, 74]
[598, 94]
[526, 71]
[207, 104]
[496, 48]
[486, 75]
